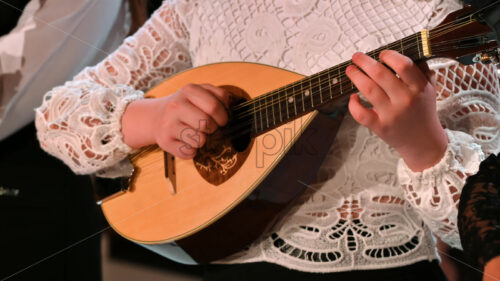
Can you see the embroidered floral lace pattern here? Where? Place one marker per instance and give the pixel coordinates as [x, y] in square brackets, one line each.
[83, 129]
[366, 209]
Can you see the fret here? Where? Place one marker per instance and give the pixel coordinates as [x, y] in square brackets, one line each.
[418, 47]
[272, 108]
[401, 45]
[330, 84]
[266, 106]
[320, 84]
[311, 92]
[286, 105]
[279, 106]
[298, 97]
[294, 100]
[255, 118]
[302, 96]
[260, 110]
[340, 80]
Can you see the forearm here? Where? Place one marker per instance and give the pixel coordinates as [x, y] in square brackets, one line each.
[137, 123]
[430, 151]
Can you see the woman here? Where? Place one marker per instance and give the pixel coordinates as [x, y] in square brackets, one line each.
[380, 189]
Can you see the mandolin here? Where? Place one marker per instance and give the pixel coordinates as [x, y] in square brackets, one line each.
[250, 171]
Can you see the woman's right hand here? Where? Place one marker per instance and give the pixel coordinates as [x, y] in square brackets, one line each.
[178, 123]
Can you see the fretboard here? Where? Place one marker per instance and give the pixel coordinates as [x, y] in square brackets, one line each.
[285, 104]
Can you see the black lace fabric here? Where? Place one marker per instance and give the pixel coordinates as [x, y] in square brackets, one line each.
[479, 214]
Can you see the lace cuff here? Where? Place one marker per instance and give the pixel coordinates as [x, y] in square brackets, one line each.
[435, 192]
[80, 124]
[479, 214]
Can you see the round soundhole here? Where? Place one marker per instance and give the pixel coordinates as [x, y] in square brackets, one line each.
[227, 148]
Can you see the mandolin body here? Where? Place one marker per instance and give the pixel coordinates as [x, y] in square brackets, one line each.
[211, 219]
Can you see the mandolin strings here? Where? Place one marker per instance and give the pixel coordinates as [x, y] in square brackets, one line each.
[412, 51]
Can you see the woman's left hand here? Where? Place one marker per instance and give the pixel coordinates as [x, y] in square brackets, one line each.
[404, 107]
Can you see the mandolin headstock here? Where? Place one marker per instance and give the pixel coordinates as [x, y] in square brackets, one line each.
[463, 36]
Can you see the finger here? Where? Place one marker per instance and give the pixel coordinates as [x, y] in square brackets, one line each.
[206, 101]
[190, 136]
[373, 93]
[197, 119]
[407, 70]
[361, 114]
[180, 149]
[384, 77]
[183, 133]
[220, 93]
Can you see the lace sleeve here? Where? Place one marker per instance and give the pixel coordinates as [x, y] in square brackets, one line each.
[479, 214]
[80, 121]
[468, 106]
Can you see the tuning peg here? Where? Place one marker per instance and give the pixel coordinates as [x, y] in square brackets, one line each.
[488, 57]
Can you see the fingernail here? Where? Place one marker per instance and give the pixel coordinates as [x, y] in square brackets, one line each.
[356, 54]
[351, 68]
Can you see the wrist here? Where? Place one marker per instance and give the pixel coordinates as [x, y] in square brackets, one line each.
[427, 152]
[137, 123]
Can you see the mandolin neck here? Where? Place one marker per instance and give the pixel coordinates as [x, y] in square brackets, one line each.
[461, 36]
[294, 100]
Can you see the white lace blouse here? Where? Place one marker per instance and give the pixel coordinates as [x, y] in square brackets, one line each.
[366, 209]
